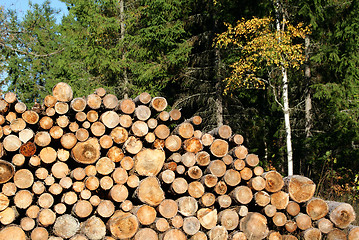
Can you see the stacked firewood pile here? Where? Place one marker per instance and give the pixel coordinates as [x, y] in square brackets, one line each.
[100, 168]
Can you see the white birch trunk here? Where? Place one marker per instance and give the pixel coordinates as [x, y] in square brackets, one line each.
[287, 121]
[285, 99]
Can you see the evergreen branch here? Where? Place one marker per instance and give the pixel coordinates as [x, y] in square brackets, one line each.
[31, 53]
[189, 97]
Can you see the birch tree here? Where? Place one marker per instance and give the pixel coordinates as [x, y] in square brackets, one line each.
[266, 47]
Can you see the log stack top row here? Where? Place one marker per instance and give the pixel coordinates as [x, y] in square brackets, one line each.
[97, 167]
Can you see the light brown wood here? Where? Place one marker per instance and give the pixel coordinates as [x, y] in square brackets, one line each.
[203, 158]
[110, 101]
[143, 98]
[118, 193]
[105, 208]
[262, 198]
[12, 232]
[274, 181]
[142, 112]
[20, 107]
[91, 183]
[69, 198]
[100, 92]
[10, 97]
[26, 135]
[219, 148]
[336, 234]
[207, 139]
[209, 180]
[293, 208]
[167, 176]
[27, 224]
[133, 145]
[4, 201]
[280, 199]
[193, 145]
[78, 104]
[32, 211]
[341, 214]
[196, 189]
[279, 219]
[41, 173]
[252, 160]
[240, 152]
[312, 233]
[303, 221]
[300, 188]
[9, 189]
[66, 226]
[257, 183]
[161, 225]
[63, 155]
[185, 130]
[220, 188]
[229, 219]
[87, 152]
[224, 201]
[353, 232]
[149, 162]
[145, 214]
[324, 225]
[50, 112]
[11, 116]
[217, 168]
[187, 206]
[194, 172]
[48, 155]
[164, 116]
[127, 106]
[188, 159]
[38, 187]
[224, 132]
[46, 217]
[39, 233]
[73, 127]
[236, 139]
[174, 234]
[120, 175]
[11, 143]
[61, 108]
[62, 92]
[80, 116]
[125, 120]
[4, 106]
[254, 226]
[31, 117]
[7, 171]
[55, 189]
[94, 228]
[60, 209]
[177, 221]
[45, 200]
[126, 205]
[56, 132]
[82, 209]
[158, 103]
[62, 121]
[119, 222]
[179, 185]
[17, 125]
[316, 208]
[133, 181]
[116, 154]
[258, 171]
[23, 178]
[242, 194]
[94, 101]
[110, 119]
[191, 225]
